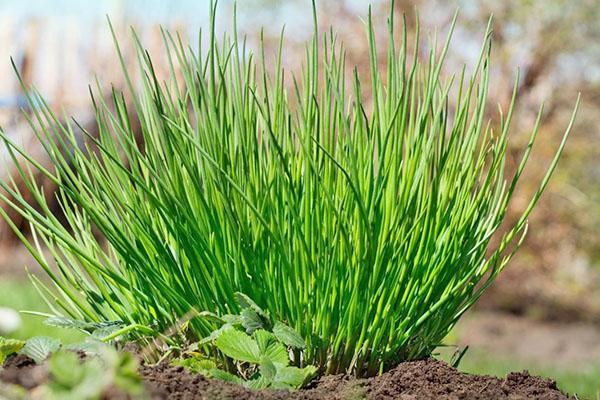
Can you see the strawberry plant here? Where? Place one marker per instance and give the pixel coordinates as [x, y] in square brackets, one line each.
[72, 377]
[257, 350]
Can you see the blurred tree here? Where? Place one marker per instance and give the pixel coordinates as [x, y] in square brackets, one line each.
[557, 46]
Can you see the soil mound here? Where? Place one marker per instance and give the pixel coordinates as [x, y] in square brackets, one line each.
[424, 379]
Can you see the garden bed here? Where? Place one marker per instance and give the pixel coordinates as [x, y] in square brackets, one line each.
[425, 379]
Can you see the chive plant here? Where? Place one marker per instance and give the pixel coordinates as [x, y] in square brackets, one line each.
[366, 228]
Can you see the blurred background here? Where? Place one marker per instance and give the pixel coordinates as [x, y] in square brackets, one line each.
[543, 313]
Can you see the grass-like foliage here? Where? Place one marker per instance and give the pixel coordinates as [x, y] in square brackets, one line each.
[362, 219]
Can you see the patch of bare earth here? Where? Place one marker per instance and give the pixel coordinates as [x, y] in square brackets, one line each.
[424, 379]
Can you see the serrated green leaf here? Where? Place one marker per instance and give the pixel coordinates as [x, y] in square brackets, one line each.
[206, 365]
[259, 383]
[246, 302]
[68, 323]
[65, 368]
[196, 364]
[293, 377]
[99, 329]
[310, 371]
[215, 334]
[278, 354]
[288, 336]
[40, 347]
[251, 321]
[263, 339]
[226, 376]
[108, 324]
[72, 378]
[290, 377]
[267, 368]
[238, 346]
[232, 319]
[8, 347]
[270, 347]
[105, 329]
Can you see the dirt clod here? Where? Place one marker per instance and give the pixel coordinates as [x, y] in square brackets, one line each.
[22, 370]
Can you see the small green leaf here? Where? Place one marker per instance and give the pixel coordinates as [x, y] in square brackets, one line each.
[293, 377]
[196, 364]
[72, 378]
[65, 369]
[238, 345]
[108, 324]
[246, 302]
[97, 329]
[264, 339]
[259, 383]
[251, 321]
[8, 347]
[289, 377]
[270, 347]
[64, 322]
[310, 371]
[232, 319]
[278, 354]
[288, 336]
[215, 334]
[225, 376]
[207, 365]
[105, 329]
[40, 347]
[267, 368]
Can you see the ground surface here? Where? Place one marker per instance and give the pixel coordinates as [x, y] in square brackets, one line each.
[425, 379]
[567, 351]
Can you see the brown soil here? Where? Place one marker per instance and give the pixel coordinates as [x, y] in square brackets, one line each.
[424, 379]
[22, 370]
